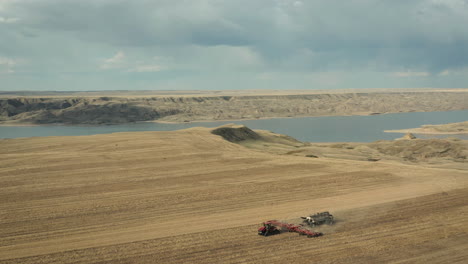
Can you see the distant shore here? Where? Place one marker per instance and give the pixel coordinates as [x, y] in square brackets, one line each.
[444, 129]
[210, 106]
[422, 131]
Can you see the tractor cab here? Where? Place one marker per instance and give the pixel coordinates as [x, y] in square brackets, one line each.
[268, 229]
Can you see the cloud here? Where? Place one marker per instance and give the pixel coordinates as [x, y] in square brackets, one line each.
[120, 61]
[146, 68]
[7, 65]
[298, 3]
[194, 39]
[221, 58]
[8, 20]
[7, 61]
[4, 4]
[445, 73]
[411, 74]
[114, 62]
[423, 33]
[461, 71]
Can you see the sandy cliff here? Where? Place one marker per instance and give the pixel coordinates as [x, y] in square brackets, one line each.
[113, 110]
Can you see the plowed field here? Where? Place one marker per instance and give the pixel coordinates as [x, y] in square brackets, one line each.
[192, 197]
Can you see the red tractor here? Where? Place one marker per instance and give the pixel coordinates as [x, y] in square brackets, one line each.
[268, 229]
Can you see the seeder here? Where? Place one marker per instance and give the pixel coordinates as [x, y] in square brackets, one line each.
[275, 227]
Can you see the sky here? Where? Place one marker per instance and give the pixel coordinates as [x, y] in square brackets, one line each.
[74, 45]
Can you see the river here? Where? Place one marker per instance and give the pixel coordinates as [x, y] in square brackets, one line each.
[311, 129]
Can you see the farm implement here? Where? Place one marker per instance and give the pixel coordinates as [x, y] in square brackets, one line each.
[319, 219]
[273, 227]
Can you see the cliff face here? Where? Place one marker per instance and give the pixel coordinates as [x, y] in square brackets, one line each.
[101, 110]
[114, 110]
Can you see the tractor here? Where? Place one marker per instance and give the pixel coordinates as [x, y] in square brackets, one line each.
[319, 219]
[268, 229]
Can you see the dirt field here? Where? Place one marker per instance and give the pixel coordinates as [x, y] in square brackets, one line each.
[192, 197]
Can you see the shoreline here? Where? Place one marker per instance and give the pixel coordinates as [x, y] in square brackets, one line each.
[410, 130]
[7, 123]
[458, 128]
[266, 118]
[213, 93]
[425, 132]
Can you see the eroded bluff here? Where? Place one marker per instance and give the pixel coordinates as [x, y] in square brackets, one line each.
[115, 110]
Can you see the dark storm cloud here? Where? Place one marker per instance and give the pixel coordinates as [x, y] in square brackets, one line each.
[134, 23]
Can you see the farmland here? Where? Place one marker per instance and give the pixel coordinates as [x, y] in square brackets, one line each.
[193, 197]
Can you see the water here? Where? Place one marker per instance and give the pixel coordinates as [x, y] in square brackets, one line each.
[311, 129]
